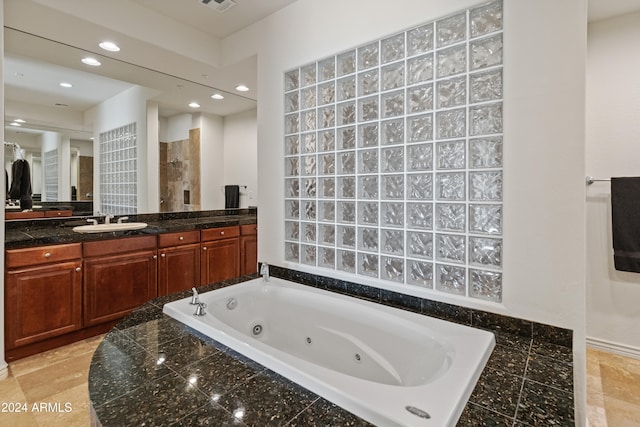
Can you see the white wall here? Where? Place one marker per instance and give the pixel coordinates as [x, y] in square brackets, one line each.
[241, 155]
[612, 149]
[4, 371]
[211, 161]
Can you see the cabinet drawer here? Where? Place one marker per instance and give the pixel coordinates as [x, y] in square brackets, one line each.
[176, 239]
[55, 214]
[23, 215]
[248, 229]
[42, 255]
[220, 233]
[119, 246]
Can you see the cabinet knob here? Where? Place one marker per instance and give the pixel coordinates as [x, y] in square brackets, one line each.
[222, 233]
[47, 254]
[78, 269]
[163, 255]
[155, 257]
[180, 238]
[204, 248]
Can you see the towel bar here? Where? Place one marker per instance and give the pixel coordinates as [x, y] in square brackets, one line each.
[590, 180]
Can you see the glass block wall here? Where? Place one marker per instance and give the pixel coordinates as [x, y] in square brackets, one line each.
[51, 176]
[393, 157]
[118, 177]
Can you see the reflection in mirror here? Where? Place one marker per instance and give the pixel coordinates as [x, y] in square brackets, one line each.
[79, 139]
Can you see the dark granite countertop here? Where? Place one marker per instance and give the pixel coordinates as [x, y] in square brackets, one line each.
[28, 233]
[153, 370]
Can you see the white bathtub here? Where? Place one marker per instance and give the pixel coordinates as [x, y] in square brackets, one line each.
[373, 360]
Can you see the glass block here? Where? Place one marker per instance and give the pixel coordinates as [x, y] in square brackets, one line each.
[451, 279]
[308, 97]
[451, 30]
[291, 123]
[346, 113]
[292, 252]
[392, 242]
[291, 102]
[327, 69]
[326, 211]
[420, 98]
[452, 92]
[450, 247]
[452, 61]
[292, 209]
[451, 217]
[368, 82]
[346, 88]
[291, 230]
[308, 120]
[368, 161]
[485, 86]
[346, 212]
[485, 52]
[485, 251]
[392, 48]
[392, 214]
[368, 135]
[327, 140]
[347, 138]
[326, 234]
[420, 273]
[292, 145]
[420, 128]
[346, 187]
[420, 216]
[420, 186]
[291, 166]
[326, 257]
[309, 213]
[486, 186]
[326, 93]
[392, 159]
[346, 63]
[368, 56]
[486, 19]
[308, 232]
[392, 76]
[309, 142]
[346, 236]
[292, 188]
[420, 157]
[451, 123]
[308, 254]
[368, 109]
[308, 165]
[327, 188]
[308, 74]
[485, 119]
[485, 153]
[392, 187]
[327, 164]
[451, 186]
[392, 131]
[346, 261]
[368, 239]
[392, 104]
[419, 245]
[420, 39]
[420, 69]
[368, 264]
[292, 80]
[309, 187]
[368, 213]
[450, 155]
[485, 219]
[485, 285]
[392, 269]
[347, 162]
[368, 187]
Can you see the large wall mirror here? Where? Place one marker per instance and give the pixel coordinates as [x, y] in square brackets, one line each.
[74, 137]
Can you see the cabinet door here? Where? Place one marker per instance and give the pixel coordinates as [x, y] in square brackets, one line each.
[178, 268]
[220, 260]
[248, 254]
[115, 285]
[42, 302]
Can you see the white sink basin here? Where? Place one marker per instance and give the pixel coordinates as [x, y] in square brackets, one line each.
[105, 228]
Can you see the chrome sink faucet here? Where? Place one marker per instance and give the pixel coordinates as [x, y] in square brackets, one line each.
[107, 218]
[122, 219]
[264, 271]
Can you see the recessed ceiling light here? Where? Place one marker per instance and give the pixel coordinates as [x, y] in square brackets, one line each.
[65, 84]
[217, 96]
[110, 46]
[15, 124]
[91, 61]
[194, 105]
[242, 88]
[19, 121]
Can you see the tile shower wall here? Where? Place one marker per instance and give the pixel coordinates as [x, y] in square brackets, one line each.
[118, 178]
[393, 157]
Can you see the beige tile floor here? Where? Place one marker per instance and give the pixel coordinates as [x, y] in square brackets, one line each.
[58, 379]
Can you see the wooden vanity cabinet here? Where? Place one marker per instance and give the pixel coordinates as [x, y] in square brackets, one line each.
[178, 261]
[220, 254]
[43, 293]
[119, 276]
[248, 249]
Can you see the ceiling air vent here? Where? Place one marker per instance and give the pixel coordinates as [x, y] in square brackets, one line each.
[219, 5]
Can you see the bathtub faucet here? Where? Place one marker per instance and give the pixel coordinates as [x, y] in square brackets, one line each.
[264, 271]
[195, 299]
